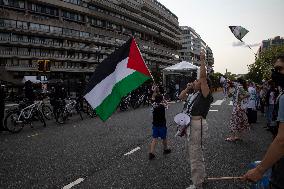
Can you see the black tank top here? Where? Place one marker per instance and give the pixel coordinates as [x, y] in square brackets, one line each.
[159, 118]
[201, 105]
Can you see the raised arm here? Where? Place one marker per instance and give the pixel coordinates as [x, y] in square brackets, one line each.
[203, 76]
[183, 95]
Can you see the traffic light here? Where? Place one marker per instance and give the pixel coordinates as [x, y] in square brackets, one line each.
[40, 64]
[43, 65]
[47, 66]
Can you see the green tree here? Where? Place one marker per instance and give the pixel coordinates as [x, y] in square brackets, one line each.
[231, 76]
[215, 79]
[261, 69]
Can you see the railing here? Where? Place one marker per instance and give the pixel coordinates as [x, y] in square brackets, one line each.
[56, 44]
[47, 55]
[23, 67]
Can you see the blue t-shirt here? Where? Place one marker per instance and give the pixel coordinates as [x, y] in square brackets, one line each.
[280, 117]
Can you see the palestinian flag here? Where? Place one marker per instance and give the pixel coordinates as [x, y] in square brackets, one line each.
[239, 32]
[120, 73]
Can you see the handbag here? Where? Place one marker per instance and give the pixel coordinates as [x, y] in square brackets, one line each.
[183, 119]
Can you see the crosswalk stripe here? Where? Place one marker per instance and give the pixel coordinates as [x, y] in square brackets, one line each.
[231, 103]
[218, 103]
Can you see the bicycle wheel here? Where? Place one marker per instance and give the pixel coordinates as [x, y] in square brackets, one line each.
[47, 112]
[11, 122]
[60, 116]
[41, 118]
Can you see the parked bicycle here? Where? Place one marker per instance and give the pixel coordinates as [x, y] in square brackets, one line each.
[66, 110]
[24, 114]
[46, 111]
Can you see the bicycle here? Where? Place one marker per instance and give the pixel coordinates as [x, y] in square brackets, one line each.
[17, 118]
[66, 110]
[46, 111]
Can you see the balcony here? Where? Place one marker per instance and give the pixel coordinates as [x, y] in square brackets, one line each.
[151, 16]
[155, 10]
[46, 55]
[89, 69]
[48, 44]
[130, 5]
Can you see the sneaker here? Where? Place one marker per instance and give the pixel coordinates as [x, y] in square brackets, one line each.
[151, 156]
[167, 151]
[191, 187]
[194, 187]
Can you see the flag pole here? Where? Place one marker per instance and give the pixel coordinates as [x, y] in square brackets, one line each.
[144, 61]
[224, 178]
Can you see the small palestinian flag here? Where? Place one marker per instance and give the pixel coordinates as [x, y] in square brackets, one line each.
[120, 73]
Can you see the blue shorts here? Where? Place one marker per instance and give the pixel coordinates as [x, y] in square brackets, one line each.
[159, 132]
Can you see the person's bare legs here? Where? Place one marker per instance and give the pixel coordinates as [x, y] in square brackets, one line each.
[153, 145]
[165, 144]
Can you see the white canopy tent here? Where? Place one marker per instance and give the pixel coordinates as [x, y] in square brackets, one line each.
[34, 79]
[182, 68]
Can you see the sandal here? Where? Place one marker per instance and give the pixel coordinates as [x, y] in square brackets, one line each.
[230, 139]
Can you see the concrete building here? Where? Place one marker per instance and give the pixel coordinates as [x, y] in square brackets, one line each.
[76, 35]
[266, 44]
[192, 45]
[209, 56]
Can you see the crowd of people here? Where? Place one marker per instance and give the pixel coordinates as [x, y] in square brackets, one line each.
[247, 98]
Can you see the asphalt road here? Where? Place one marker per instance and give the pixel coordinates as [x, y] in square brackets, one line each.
[114, 154]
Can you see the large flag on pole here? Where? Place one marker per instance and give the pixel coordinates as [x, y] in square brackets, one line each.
[120, 73]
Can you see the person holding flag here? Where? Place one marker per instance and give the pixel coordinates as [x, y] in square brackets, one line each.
[120, 73]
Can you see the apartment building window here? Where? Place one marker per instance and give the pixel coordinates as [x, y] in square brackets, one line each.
[43, 9]
[76, 2]
[22, 25]
[44, 27]
[84, 34]
[13, 3]
[34, 26]
[54, 29]
[72, 16]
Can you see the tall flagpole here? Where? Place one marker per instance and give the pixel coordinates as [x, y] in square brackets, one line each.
[144, 60]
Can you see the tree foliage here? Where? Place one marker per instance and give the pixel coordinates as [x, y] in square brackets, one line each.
[215, 79]
[261, 69]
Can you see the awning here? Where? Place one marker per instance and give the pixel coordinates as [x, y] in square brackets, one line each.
[35, 79]
[182, 66]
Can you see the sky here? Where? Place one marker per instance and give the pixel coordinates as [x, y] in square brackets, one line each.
[211, 18]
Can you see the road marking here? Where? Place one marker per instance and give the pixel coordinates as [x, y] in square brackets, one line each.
[231, 103]
[213, 110]
[36, 134]
[132, 151]
[73, 183]
[218, 103]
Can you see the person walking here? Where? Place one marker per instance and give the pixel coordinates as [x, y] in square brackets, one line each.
[252, 103]
[197, 107]
[239, 121]
[270, 101]
[2, 106]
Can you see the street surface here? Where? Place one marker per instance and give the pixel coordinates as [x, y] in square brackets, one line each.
[92, 154]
